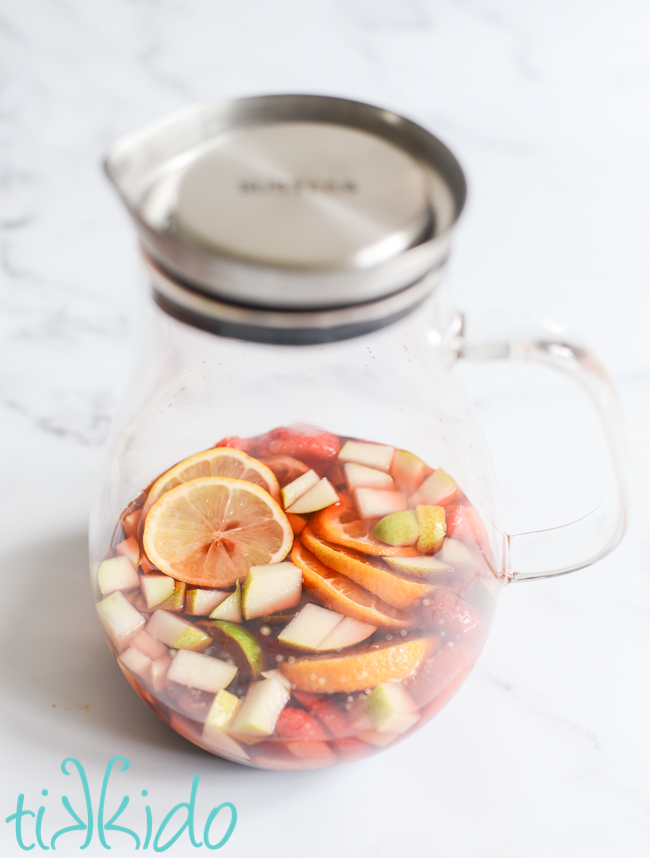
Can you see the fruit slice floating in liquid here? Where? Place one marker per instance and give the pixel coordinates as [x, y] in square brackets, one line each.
[210, 531]
[216, 462]
[368, 572]
[344, 596]
[341, 525]
[357, 671]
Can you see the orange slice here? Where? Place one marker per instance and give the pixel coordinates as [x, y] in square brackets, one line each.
[341, 525]
[342, 595]
[359, 671]
[215, 462]
[368, 572]
[210, 531]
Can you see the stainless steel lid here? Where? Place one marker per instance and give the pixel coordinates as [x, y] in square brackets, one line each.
[289, 203]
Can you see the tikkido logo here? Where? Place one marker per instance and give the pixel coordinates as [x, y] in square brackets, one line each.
[25, 830]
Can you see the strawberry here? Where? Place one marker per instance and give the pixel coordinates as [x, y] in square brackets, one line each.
[453, 618]
[328, 713]
[306, 443]
[306, 750]
[296, 724]
[246, 445]
[349, 748]
[464, 523]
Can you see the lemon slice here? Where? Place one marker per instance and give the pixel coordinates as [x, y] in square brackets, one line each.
[215, 462]
[211, 530]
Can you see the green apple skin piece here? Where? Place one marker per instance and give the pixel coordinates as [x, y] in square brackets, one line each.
[247, 642]
[270, 589]
[398, 528]
[261, 708]
[358, 476]
[348, 633]
[432, 521]
[176, 600]
[376, 503]
[296, 489]
[408, 471]
[196, 670]
[200, 603]
[117, 573]
[321, 495]
[159, 669]
[176, 632]
[148, 645]
[457, 555]
[436, 490]
[220, 717]
[377, 456]
[136, 662]
[309, 628]
[391, 709]
[230, 608]
[426, 565]
[120, 619]
[156, 588]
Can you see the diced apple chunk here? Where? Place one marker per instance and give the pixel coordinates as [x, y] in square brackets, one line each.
[177, 598]
[148, 645]
[453, 553]
[117, 573]
[129, 548]
[119, 618]
[200, 603]
[137, 662]
[296, 489]
[426, 565]
[358, 476]
[408, 471]
[261, 708]
[271, 588]
[376, 503]
[309, 628]
[391, 708]
[176, 632]
[156, 588]
[230, 608]
[321, 495]
[377, 456]
[200, 671]
[220, 717]
[159, 668]
[348, 633]
[437, 490]
[280, 677]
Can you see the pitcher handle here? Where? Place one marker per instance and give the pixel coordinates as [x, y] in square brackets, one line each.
[544, 553]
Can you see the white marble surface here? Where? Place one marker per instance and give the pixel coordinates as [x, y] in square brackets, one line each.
[546, 749]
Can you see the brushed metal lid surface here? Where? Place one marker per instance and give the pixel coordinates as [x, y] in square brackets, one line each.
[305, 194]
[290, 202]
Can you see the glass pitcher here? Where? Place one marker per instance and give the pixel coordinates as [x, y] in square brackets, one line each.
[294, 549]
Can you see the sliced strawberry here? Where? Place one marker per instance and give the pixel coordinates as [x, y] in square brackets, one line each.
[441, 675]
[350, 748]
[247, 445]
[452, 618]
[307, 750]
[306, 443]
[296, 724]
[329, 713]
[464, 523]
[286, 468]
